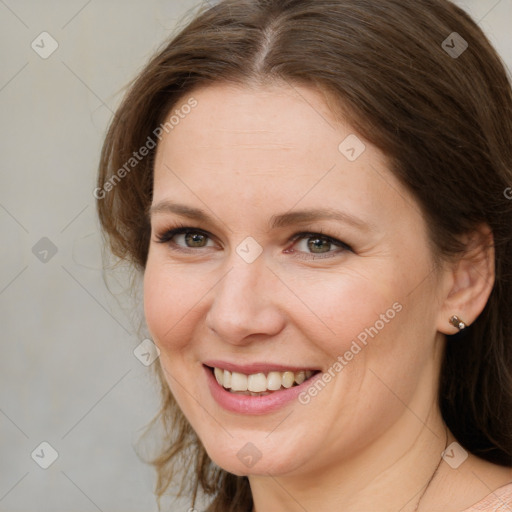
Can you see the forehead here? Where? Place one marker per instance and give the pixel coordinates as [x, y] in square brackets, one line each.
[266, 123]
[272, 148]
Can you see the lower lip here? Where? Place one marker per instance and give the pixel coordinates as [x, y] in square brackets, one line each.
[247, 404]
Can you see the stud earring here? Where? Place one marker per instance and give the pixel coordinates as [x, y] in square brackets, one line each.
[457, 322]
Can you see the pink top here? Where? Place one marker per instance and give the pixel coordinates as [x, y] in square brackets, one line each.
[498, 501]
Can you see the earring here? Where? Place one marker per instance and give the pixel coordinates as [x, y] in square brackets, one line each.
[457, 322]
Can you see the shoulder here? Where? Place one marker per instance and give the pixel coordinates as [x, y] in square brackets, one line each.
[499, 500]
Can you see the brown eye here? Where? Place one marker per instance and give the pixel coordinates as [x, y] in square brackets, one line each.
[194, 239]
[319, 245]
[186, 238]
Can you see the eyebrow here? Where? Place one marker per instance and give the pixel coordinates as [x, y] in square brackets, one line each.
[276, 221]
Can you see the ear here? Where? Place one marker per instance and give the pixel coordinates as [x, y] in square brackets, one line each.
[469, 281]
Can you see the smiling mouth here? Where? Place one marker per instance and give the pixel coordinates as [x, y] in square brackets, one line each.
[260, 384]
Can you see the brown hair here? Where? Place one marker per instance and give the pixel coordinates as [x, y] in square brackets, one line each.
[443, 119]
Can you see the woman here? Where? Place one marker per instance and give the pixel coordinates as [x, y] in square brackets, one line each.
[315, 193]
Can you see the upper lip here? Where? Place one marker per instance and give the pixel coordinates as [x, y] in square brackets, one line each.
[256, 367]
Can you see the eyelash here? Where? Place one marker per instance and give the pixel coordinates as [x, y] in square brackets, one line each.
[167, 236]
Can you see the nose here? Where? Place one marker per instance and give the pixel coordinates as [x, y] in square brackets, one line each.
[245, 304]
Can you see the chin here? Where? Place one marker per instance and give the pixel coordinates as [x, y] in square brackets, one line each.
[249, 453]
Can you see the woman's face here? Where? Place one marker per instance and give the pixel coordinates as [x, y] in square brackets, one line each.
[301, 253]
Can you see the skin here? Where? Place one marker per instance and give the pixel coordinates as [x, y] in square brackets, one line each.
[372, 438]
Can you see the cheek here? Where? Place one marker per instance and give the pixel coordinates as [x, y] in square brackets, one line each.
[169, 299]
[168, 308]
[344, 307]
[368, 318]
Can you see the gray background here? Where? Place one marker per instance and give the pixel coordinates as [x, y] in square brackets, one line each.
[68, 372]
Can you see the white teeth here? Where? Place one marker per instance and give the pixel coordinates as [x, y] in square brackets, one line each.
[219, 375]
[258, 383]
[238, 381]
[288, 378]
[300, 377]
[227, 379]
[274, 381]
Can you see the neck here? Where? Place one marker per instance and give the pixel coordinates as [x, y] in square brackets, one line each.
[390, 474]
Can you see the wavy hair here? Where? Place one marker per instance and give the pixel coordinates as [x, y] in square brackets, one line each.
[401, 77]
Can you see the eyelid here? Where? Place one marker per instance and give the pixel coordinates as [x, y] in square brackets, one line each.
[167, 235]
[308, 256]
[320, 234]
